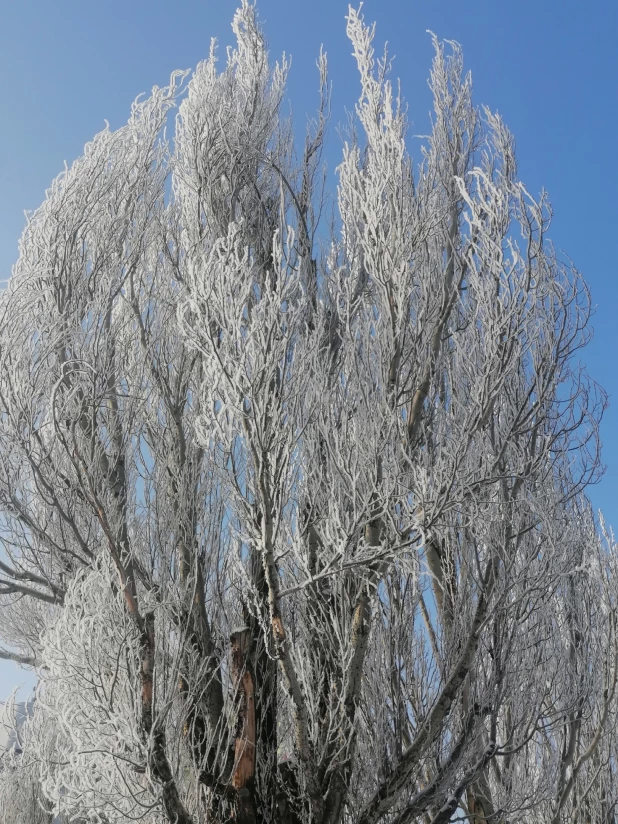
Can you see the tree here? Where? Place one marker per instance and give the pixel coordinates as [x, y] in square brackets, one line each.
[21, 798]
[294, 516]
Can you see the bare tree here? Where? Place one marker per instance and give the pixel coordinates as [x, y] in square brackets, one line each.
[293, 516]
[21, 797]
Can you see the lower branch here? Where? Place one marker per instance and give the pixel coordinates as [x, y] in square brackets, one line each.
[395, 784]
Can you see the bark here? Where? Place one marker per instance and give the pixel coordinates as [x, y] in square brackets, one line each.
[243, 775]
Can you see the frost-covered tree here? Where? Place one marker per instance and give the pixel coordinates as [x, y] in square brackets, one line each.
[293, 512]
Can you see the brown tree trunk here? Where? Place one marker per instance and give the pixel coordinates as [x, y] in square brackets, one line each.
[243, 776]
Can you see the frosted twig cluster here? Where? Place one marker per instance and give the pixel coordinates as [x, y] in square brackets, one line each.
[293, 514]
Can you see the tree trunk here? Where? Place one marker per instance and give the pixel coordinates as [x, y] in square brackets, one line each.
[243, 776]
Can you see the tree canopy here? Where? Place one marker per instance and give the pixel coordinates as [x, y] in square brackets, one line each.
[293, 507]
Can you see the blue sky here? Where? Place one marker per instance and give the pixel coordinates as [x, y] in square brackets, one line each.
[550, 69]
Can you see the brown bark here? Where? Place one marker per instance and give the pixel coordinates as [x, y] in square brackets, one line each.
[243, 775]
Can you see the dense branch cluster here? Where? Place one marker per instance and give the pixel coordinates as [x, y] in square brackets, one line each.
[293, 513]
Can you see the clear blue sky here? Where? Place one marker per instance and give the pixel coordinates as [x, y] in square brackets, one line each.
[550, 68]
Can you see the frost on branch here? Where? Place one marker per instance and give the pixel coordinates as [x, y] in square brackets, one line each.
[294, 519]
[88, 694]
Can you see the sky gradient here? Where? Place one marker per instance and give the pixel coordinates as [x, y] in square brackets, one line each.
[69, 65]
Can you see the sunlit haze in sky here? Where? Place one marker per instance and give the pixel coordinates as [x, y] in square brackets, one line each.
[550, 69]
